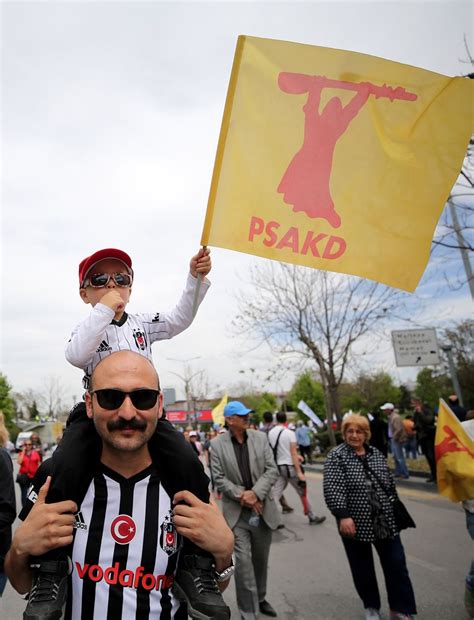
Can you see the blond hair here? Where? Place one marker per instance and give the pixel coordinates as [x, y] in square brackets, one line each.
[359, 421]
[4, 434]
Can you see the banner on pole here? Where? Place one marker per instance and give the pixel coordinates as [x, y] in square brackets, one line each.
[306, 409]
[336, 160]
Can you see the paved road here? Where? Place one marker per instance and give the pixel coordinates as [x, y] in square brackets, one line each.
[309, 576]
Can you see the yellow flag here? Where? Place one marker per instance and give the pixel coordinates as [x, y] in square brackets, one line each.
[336, 160]
[454, 457]
[218, 411]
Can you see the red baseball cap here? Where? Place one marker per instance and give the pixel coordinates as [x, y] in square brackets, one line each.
[86, 265]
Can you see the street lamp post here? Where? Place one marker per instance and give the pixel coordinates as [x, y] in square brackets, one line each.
[187, 378]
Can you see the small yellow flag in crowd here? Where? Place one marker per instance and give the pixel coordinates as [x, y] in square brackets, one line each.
[454, 457]
[336, 160]
[218, 411]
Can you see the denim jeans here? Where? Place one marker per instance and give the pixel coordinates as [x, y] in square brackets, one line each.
[401, 597]
[470, 523]
[24, 492]
[411, 447]
[470, 529]
[401, 468]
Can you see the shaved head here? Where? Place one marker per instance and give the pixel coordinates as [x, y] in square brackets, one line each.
[127, 362]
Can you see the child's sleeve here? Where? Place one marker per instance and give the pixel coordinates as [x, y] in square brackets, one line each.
[166, 325]
[87, 336]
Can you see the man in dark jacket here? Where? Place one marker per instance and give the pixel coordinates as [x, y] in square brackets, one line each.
[379, 432]
[456, 407]
[7, 510]
[425, 429]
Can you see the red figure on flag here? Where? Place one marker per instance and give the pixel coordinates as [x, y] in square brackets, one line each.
[451, 443]
[305, 183]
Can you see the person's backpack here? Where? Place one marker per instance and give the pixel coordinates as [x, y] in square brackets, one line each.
[275, 447]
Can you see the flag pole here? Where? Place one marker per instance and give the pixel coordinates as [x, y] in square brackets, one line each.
[198, 288]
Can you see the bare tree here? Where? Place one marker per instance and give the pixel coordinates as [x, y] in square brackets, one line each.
[315, 315]
[454, 235]
[51, 397]
[27, 403]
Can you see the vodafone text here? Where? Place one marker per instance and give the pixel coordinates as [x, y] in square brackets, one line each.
[126, 578]
[319, 245]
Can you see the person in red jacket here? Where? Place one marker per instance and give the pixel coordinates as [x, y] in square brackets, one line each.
[29, 460]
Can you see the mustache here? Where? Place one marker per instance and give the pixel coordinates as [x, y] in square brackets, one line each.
[120, 425]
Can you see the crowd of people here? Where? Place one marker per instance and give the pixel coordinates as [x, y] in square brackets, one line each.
[249, 468]
[125, 500]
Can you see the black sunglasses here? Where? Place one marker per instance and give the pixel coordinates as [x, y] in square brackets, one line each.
[112, 399]
[99, 280]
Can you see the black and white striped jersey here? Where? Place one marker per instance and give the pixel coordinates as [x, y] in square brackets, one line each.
[125, 551]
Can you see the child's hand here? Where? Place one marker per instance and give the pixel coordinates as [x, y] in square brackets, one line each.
[201, 263]
[113, 300]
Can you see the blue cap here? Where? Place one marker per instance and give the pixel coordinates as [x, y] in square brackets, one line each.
[236, 408]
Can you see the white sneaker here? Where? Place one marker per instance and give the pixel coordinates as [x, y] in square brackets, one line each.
[372, 614]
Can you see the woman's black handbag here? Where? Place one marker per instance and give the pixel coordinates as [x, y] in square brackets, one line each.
[22, 479]
[403, 518]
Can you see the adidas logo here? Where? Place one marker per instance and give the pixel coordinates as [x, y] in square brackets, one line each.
[103, 347]
[79, 522]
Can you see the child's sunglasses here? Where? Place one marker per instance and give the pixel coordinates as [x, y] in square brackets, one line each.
[99, 280]
[112, 399]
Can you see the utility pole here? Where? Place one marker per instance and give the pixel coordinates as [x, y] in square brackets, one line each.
[462, 248]
[452, 371]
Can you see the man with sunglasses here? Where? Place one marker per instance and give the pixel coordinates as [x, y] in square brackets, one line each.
[105, 281]
[244, 471]
[126, 541]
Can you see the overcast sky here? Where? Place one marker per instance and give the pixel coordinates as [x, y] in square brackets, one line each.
[110, 119]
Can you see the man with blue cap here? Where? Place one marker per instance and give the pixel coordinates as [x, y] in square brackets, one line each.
[244, 471]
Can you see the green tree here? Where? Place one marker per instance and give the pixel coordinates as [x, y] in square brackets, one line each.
[308, 389]
[260, 403]
[370, 391]
[431, 387]
[405, 398]
[7, 404]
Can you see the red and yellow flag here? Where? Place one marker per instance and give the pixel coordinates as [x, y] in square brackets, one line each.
[454, 457]
[336, 160]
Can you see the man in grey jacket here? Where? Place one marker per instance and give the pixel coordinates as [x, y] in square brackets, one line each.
[398, 437]
[244, 471]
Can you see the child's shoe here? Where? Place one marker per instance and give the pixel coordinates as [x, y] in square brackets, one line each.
[195, 584]
[47, 598]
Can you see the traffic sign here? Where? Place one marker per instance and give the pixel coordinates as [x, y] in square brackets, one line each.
[416, 347]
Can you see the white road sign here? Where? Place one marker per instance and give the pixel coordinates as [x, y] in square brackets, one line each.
[416, 347]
